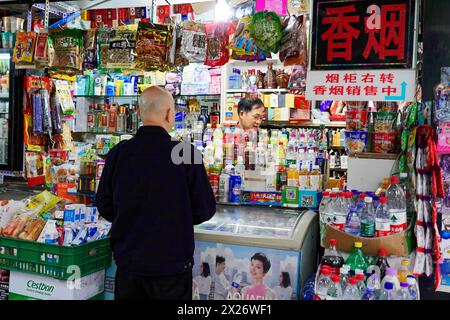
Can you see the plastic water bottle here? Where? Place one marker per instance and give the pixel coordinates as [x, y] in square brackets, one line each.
[340, 212]
[391, 276]
[368, 219]
[323, 204]
[345, 270]
[308, 289]
[334, 291]
[369, 294]
[382, 221]
[403, 293]
[351, 291]
[412, 288]
[324, 282]
[353, 222]
[388, 292]
[360, 285]
[397, 205]
[329, 209]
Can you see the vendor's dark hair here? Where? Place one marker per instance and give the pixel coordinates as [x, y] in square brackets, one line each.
[206, 272]
[219, 259]
[265, 261]
[248, 104]
[286, 279]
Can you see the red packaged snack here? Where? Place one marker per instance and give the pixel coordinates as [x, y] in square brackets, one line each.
[217, 41]
[385, 142]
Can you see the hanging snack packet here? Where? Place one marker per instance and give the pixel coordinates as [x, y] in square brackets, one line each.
[243, 45]
[64, 97]
[41, 50]
[67, 47]
[32, 142]
[193, 41]
[34, 168]
[293, 44]
[90, 49]
[24, 47]
[47, 115]
[122, 43]
[152, 45]
[103, 46]
[217, 41]
[265, 28]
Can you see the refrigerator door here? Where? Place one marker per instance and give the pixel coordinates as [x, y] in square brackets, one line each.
[11, 118]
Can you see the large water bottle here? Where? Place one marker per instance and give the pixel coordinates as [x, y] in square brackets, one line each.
[323, 203]
[340, 212]
[397, 205]
[388, 292]
[334, 291]
[382, 221]
[360, 285]
[351, 290]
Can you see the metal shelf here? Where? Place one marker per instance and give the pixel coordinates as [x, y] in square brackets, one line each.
[373, 155]
[304, 124]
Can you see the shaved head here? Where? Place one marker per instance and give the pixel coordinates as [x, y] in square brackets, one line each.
[157, 107]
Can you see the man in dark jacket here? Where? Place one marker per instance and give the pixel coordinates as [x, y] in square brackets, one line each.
[154, 189]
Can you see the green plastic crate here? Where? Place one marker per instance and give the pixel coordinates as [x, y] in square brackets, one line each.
[59, 262]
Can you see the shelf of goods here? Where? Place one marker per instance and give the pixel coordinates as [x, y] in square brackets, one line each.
[305, 124]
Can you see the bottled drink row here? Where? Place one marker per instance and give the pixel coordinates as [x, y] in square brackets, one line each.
[366, 214]
[362, 279]
[112, 118]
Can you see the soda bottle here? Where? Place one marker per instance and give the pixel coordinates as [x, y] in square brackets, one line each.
[391, 276]
[368, 219]
[388, 292]
[353, 222]
[403, 292]
[334, 291]
[332, 257]
[329, 209]
[345, 269]
[357, 260]
[351, 290]
[360, 285]
[382, 262]
[403, 271]
[369, 294]
[382, 221]
[412, 287]
[324, 282]
[397, 206]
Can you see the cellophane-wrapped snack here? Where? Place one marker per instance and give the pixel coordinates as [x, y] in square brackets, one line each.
[152, 45]
[122, 44]
[67, 48]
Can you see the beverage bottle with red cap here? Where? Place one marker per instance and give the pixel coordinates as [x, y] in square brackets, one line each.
[340, 212]
[330, 209]
[324, 281]
[382, 262]
[332, 257]
[397, 205]
[322, 206]
[382, 221]
[334, 291]
[351, 291]
[360, 285]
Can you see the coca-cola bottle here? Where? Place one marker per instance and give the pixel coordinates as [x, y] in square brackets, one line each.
[397, 205]
[332, 257]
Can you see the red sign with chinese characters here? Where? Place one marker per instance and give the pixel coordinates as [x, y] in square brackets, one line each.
[361, 34]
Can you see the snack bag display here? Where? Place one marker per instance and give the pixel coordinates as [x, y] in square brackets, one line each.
[217, 41]
[293, 48]
[103, 46]
[265, 29]
[355, 141]
[122, 44]
[385, 122]
[41, 50]
[67, 46]
[24, 47]
[384, 142]
[90, 49]
[193, 41]
[152, 45]
[34, 168]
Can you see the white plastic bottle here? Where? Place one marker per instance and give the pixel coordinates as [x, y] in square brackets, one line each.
[260, 157]
[351, 291]
[403, 292]
[382, 221]
[224, 186]
[340, 213]
[51, 234]
[323, 204]
[329, 210]
[397, 206]
[334, 291]
[388, 292]
[391, 276]
[324, 282]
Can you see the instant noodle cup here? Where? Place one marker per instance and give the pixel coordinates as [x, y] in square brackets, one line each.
[355, 141]
[384, 142]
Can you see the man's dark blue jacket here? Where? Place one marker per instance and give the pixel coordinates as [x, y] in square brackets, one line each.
[153, 204]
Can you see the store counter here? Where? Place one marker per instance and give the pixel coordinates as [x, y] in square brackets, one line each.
[287, 239]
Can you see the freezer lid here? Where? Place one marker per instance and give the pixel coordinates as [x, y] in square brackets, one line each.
[265, 226]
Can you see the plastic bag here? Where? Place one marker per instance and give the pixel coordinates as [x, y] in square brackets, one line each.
[122, 43]
[152, 45]
[90, 49]
[265, 29]
[293, 44]
[67, 46]
[24, 47]
[193, 41]
[41, 50]
[217, 41]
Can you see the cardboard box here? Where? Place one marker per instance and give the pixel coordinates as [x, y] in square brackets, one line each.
[399, 244]
[46, 288]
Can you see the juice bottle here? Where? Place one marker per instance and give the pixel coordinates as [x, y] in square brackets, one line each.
[315, 179]
[403, 271]
[292, 176]
[303, 180]
[281, 155]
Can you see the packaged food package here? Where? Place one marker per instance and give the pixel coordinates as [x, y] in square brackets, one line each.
[16, 225]
[32, 142]
[38, 114]
[217, 41]
[293, 47]
[385, 122]
[355, 141]
[41, 202]
[356, 120]
[103, 46]
[66, 49]
[65, 173]
[384, 142]
[153, 43]
[90, 49]
[387, 106]
[41, 50]
[180, 59]
[122, 44]
[64, 98]
[24, 47]
[8, 208]
[47, 172]
[265, 28]
[34, 168]
[32, 229]
[46, 111]
[193, 41]
[243, 46]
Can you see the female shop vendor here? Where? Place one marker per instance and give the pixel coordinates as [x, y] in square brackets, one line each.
[251, 113]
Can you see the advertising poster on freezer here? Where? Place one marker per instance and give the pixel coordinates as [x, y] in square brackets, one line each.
[234, 272]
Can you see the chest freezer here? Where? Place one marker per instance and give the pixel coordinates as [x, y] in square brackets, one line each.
[254, 253]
